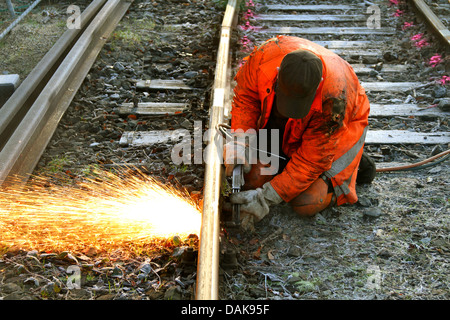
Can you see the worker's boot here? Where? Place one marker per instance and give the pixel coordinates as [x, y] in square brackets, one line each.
[316, 198]
[366, 170]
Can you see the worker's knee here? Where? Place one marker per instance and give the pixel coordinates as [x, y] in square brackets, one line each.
[313, 200]
[258, 176]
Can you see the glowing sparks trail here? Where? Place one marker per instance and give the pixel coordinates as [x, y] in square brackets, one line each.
[96, 213]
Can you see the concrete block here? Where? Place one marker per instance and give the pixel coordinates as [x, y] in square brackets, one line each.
[8, 84]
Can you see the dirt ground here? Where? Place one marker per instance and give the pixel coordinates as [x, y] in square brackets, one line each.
[393, 244]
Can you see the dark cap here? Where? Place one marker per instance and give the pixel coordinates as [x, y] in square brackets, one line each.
[299, 77]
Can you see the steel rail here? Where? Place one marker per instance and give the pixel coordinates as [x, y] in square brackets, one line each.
[13, 111]
[23, 148]
[208, 257]
[433, 20]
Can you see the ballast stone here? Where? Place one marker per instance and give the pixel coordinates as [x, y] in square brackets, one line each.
[444, 104]
[8, 84]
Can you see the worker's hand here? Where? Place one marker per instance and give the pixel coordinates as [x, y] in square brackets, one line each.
[237, 151]
[256, 202]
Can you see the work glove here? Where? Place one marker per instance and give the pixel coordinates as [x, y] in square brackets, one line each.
[238, 151]
[255, 203]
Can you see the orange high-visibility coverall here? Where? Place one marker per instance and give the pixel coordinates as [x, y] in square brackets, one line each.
[329, 140]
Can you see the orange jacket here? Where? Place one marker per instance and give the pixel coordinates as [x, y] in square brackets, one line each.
[328, 140]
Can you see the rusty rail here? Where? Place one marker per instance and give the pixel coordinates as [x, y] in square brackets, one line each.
[208, 259]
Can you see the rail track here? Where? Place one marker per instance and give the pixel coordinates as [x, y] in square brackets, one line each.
[349, 30]
[161, 110]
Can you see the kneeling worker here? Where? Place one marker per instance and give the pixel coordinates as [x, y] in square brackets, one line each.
[314, 100]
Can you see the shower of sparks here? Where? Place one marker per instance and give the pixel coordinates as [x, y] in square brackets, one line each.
[110, 210]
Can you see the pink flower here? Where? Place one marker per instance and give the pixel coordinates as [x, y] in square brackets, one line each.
[407, 25]
[444, 80]
[245, 42]
[435, 60]
[393, 2]
[398, 13]
[249, 14]
[241, 63]
[247, 26]
[421, 43]
[417, 37]
[249, 3]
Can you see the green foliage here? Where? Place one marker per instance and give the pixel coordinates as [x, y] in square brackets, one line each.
[132, 33]
[57, 164]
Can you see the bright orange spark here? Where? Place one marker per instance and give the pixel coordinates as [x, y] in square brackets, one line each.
[109, 210]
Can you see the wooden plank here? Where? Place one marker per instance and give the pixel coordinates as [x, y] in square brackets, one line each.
[311, 18]
[336, 31]
[390, 86]
[151, 108]
[406, 137]
[362, 69]
[159, 84]
[147, 138]
[343, 44]
[433, 20]
[353, 48]
[387, 110]
[322, 7]
[358, 53]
